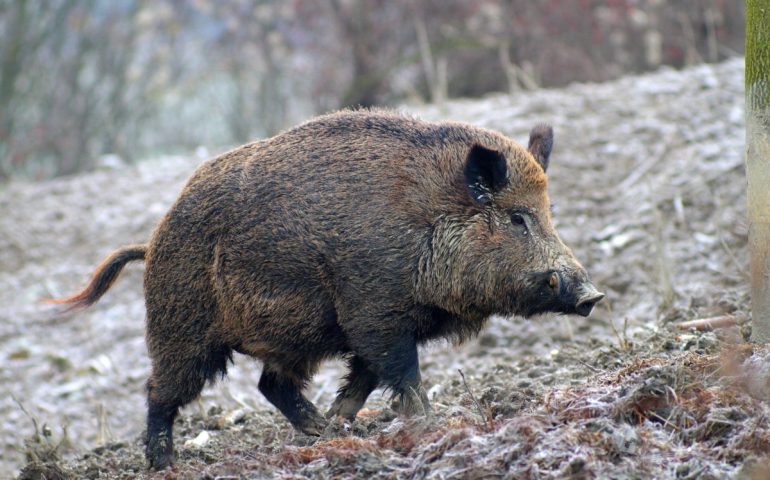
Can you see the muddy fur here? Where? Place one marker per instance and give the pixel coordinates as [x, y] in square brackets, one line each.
[360, 233]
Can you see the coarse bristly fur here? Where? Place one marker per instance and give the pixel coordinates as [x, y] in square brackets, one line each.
[359, 233]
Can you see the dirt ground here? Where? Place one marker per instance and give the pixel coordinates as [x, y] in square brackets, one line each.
[648, 181]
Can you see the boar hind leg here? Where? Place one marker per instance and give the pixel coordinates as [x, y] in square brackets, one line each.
[176, 380]
[286, 394]
[160, 441]
[359, 383]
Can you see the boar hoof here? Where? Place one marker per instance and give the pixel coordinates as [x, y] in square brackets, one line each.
[412, 402]
[344, 407]
[312, 425]
[160, 453]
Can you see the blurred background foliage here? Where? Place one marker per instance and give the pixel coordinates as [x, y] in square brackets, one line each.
[86, 82]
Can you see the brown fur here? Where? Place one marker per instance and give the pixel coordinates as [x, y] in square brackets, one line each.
[103, 278]
[360, 233]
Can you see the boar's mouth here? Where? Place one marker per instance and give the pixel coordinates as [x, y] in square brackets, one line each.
[557, 292]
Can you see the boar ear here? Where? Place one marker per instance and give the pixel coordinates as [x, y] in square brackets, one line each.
[486, 172]
[541, 143]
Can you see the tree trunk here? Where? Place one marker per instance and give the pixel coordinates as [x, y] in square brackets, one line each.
[434, 69]
[758, 161]
[11, 60]
[368, 80]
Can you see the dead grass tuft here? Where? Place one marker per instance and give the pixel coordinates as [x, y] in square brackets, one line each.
[344, 450]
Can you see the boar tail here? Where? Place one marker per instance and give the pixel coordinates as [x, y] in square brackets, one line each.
[103, 277]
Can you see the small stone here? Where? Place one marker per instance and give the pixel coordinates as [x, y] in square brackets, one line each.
[201, 440]
[231, 418]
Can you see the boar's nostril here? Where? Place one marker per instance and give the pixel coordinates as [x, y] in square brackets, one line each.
[586, 304]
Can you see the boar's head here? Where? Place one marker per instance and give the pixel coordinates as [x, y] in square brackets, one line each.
[501, 254]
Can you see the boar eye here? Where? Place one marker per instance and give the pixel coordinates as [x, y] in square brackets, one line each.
[519, 220]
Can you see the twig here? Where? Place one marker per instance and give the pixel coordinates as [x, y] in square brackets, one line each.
[741, 270]
[588, 365]
[666, 287]
[622, 341]
[664, 420]
[473, 397]
[229, 394]
[705, 324]
[651, 162]
[29, 415]
[103, 433]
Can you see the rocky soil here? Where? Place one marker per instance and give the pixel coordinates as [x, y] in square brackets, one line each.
[648, 181]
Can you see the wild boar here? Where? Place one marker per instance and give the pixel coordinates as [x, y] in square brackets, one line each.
[360, 234]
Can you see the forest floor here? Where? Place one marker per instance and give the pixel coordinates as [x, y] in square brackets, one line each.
[648, 180]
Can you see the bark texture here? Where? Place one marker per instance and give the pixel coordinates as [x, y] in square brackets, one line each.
[758, 161]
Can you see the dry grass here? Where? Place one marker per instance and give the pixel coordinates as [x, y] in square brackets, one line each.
[663, 414]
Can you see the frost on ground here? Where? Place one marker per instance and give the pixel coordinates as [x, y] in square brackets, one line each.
[647, 178]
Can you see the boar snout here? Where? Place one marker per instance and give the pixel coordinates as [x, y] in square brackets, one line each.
[588, 297]
[574, 293]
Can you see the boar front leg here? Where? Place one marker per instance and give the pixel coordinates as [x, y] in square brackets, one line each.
[359, 383]
[391, 353]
